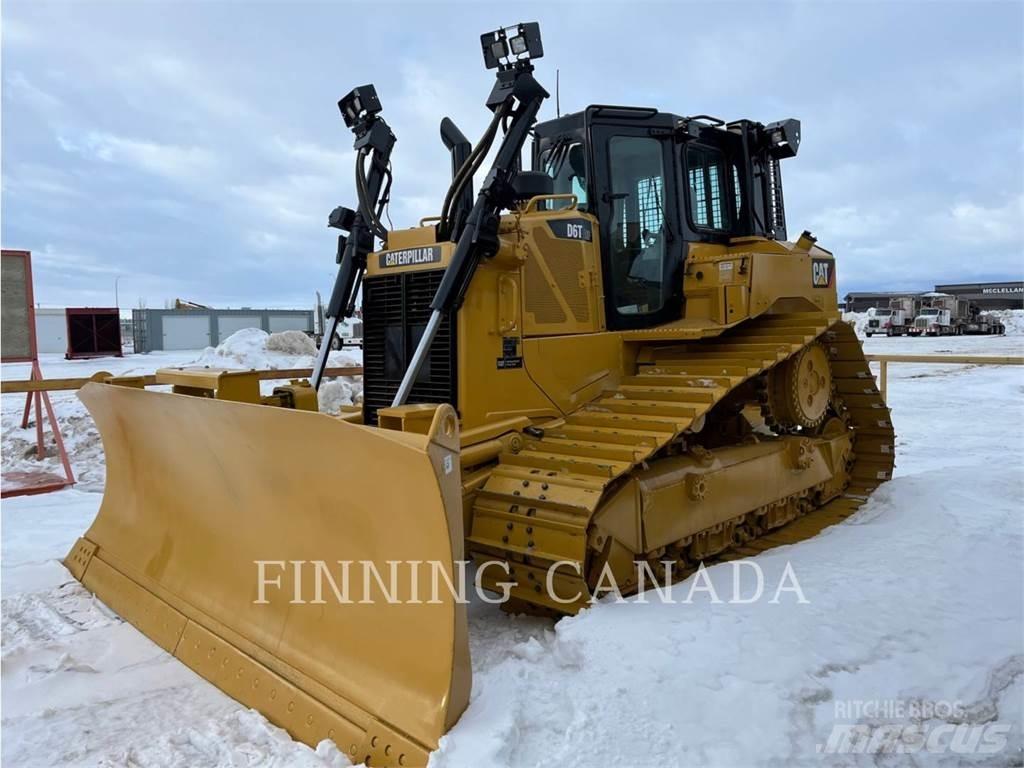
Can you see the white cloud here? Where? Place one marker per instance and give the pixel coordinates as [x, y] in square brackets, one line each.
[987, 225]
[850, 223]
[69, 276]
[263, 241]
[66, 144]
[15, 32]
[321, 159]
[170, 161]
[174, 209]
[896, 251]
[294, 205]
[295, 200]
[22, 90]
[69, 262]
[182, 81]
[39, 181]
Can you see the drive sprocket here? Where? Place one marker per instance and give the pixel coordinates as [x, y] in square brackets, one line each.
[800, 389]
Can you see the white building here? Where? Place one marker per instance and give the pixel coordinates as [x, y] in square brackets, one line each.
[51, 330]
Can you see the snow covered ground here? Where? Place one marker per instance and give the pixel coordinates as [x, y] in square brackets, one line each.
[916, 610]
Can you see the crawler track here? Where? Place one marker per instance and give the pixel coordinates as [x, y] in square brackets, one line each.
[538, 505]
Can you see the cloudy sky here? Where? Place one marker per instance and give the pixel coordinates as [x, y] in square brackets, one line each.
[194, 148]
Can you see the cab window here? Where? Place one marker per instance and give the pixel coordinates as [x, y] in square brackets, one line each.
[706, 176]
[637, 233]
[737, 191]
[565, 164]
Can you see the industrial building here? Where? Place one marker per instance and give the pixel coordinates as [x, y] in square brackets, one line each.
[77, 331]
[169, 329]
[1006, 295]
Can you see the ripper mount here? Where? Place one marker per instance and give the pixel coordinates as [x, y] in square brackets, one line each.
[374, 140]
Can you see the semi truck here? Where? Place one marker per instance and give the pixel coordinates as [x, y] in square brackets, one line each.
[942, 314]
[880, 320]
[896, 319]
[347, 334]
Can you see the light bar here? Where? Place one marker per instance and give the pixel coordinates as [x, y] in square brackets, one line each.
[506, 47]
[358, 104]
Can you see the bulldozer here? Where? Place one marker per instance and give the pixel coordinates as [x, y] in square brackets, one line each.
[608, 360]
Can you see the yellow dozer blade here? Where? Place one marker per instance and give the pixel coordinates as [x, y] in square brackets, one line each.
[200, 491]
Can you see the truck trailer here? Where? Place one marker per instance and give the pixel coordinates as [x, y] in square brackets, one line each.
[942, 314]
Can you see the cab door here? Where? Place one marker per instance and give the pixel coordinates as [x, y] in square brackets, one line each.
[636, 201]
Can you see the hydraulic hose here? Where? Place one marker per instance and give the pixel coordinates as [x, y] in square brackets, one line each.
[363, 194]
[470, 167]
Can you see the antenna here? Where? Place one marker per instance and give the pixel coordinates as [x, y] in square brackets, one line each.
[558, 100]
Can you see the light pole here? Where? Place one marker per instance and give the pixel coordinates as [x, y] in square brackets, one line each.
[116, 303]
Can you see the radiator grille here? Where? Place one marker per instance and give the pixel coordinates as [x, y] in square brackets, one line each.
[568, 274]
[395, 312]
[540, 299]
[565, 265]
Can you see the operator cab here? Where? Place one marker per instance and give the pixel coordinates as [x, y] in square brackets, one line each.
[656, 182]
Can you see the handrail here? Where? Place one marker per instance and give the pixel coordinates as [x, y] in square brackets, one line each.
[567, 197]
[884, 360]
[954, 359]
[56, 385]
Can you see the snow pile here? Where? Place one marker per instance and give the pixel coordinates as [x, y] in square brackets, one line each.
[338, 392]
[1013, 319]
[251, 348]
[859, 321]
[291, 343]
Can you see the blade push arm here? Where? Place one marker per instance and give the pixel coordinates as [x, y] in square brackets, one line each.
[374, 141]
